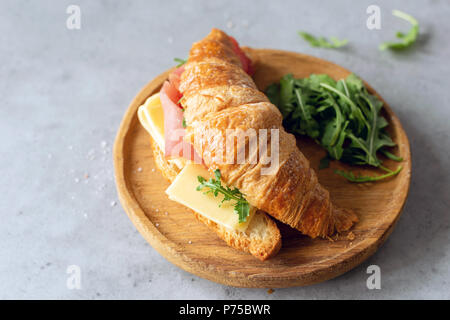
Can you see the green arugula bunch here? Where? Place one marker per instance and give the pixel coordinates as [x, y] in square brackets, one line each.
[322, 42]
[241, 208]
[341, 116]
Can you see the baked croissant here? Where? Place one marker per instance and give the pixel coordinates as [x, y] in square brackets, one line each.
[218, 95]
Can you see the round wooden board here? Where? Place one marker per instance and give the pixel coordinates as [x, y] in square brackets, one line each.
[175, 233]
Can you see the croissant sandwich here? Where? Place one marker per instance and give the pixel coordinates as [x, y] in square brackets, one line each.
[221, 143]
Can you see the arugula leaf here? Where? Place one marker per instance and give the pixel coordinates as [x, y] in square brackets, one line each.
[341, 116]
[179, 61]
[405, 40]
[391, 156]
[350, 176]
[322, 42]
[184, 123]
[241, 207]
[306, 119]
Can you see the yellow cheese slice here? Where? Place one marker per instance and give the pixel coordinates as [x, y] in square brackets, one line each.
[183, 190]
[151, 116]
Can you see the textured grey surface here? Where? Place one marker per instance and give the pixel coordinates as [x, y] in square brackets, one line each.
[62, 96]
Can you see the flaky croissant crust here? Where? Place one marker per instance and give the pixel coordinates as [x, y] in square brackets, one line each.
[217, 96]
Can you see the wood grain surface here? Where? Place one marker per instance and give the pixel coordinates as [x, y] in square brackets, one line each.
[180, 238]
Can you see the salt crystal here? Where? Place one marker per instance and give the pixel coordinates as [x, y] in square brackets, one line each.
[77, 180]
[229, 24]
[190, 242]
[139, 169]
[113, 203]
[103, 144]
[157, 224]
[90, 155]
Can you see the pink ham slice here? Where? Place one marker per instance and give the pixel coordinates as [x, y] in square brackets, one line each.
[174, 77]
[173, 125]
[245, 61]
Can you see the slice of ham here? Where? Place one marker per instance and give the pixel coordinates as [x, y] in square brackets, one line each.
[174, 77]
[174, 132]
[245, 61]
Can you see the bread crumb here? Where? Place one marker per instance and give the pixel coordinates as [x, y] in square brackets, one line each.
[351, 236]
[270, 291]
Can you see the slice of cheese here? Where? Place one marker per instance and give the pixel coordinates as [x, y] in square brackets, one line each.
[183, 190]
[151, 116]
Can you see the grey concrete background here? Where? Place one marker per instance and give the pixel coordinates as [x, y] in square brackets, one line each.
[63, 94]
